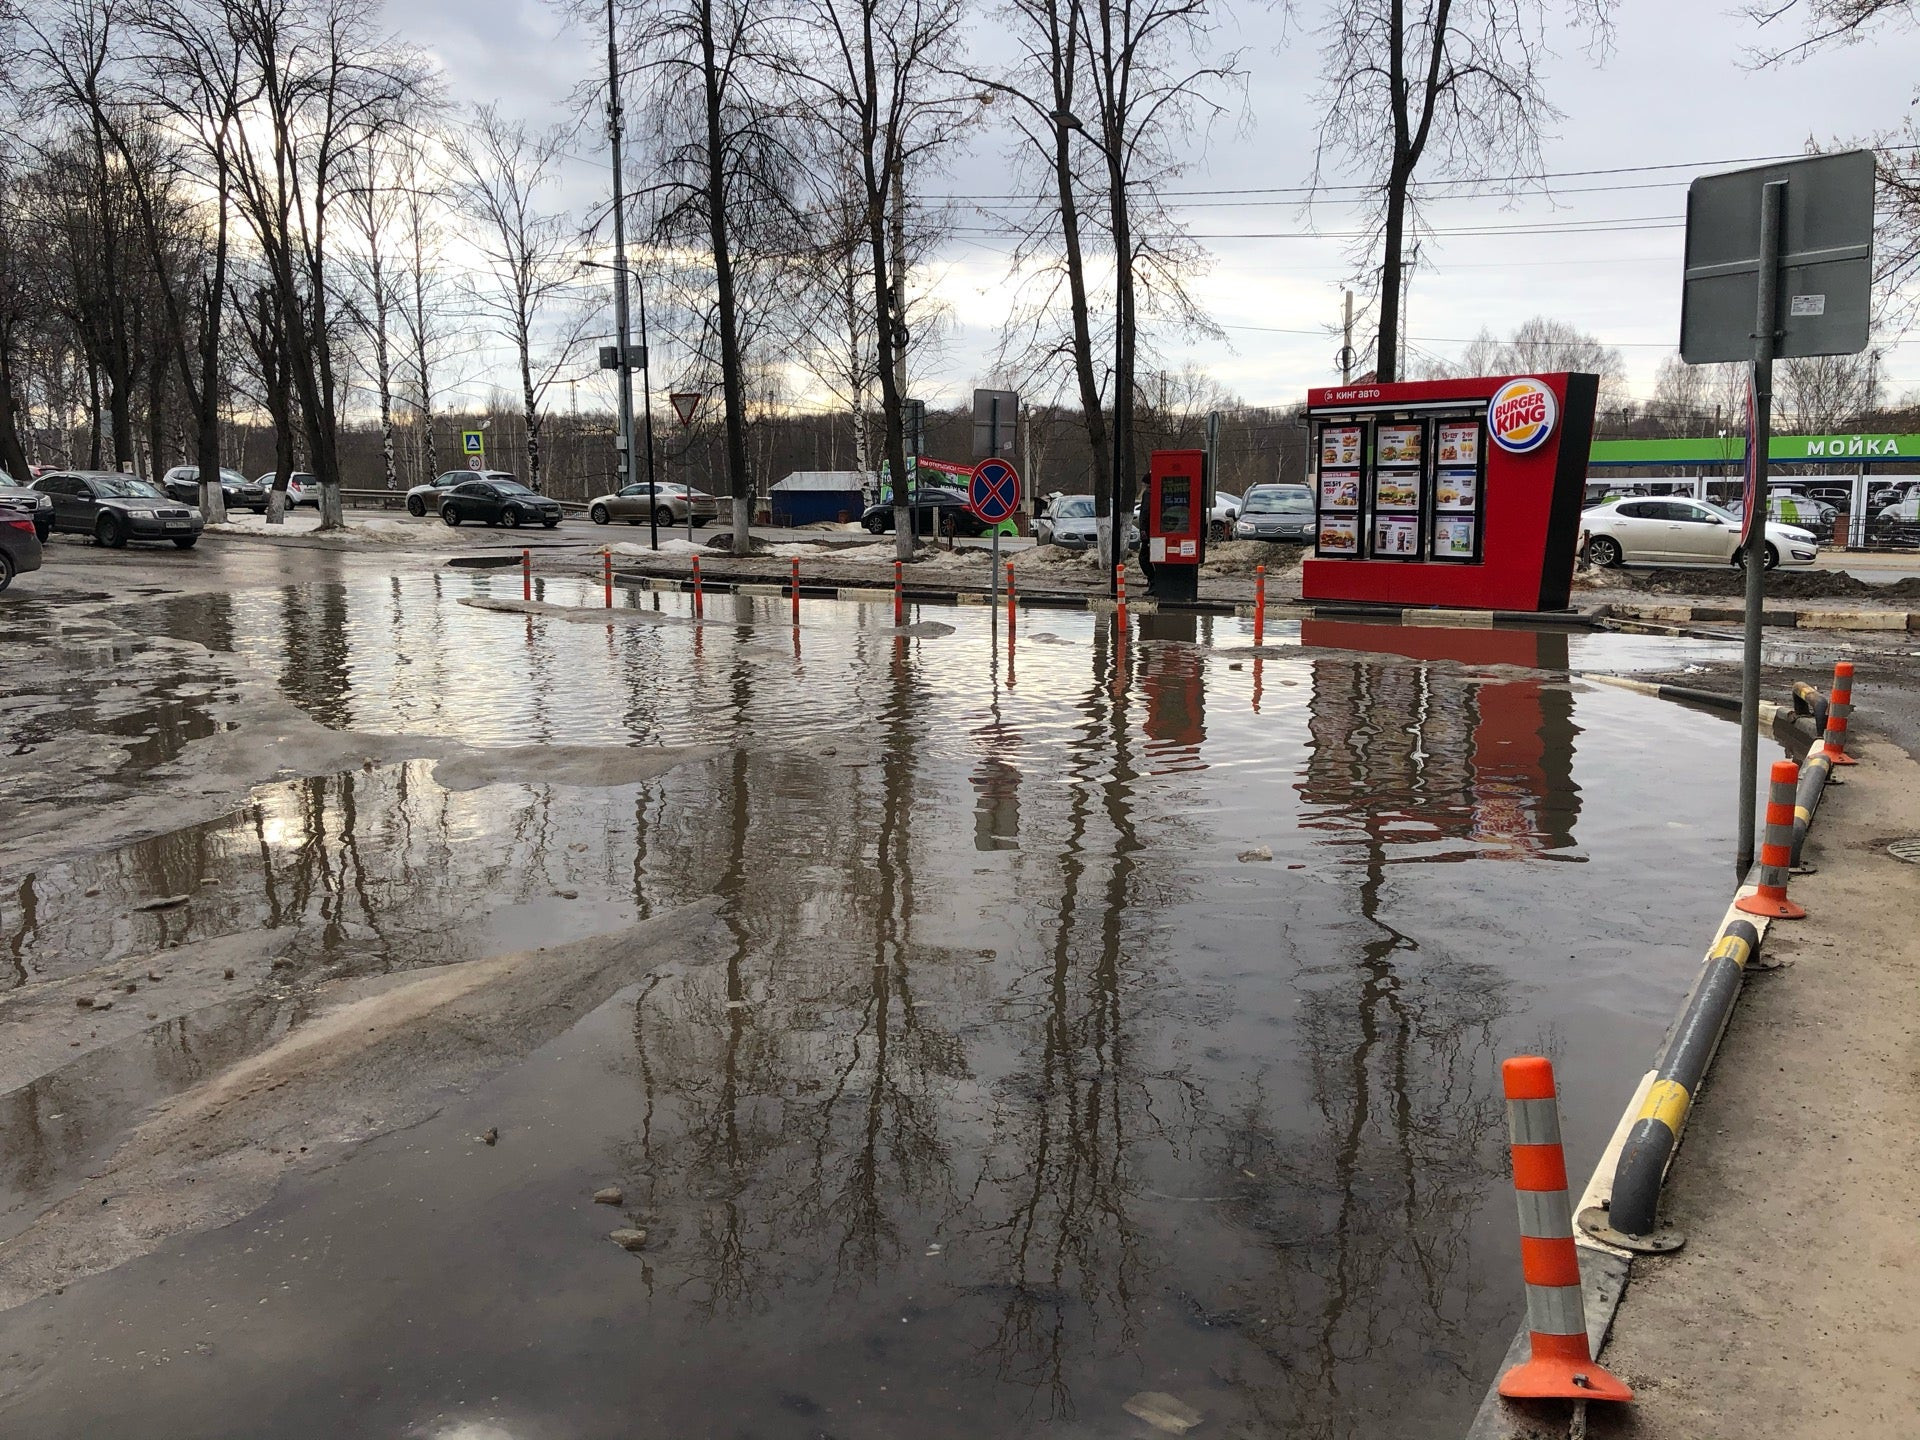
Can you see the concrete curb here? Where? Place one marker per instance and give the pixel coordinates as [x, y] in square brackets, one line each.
[1039, 599]
[1793, 618]
[1696, 1030]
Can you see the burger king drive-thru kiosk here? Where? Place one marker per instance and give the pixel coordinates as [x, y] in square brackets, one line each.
[1457, 493]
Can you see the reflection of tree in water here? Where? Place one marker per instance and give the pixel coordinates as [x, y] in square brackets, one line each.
[1375, 1208]
[315, 673]
[804, 1086]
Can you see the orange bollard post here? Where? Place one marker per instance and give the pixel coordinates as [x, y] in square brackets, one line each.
[1839, 710]
[1120, 593]
[795, 587]
[606, 558]
[698, 605]
[1562, 1365]
[899, 597]
[1776, 848]
[1010, 599]
[526, 574]
[1259, 604]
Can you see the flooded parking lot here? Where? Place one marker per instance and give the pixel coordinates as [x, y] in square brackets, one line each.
[1077, 1017]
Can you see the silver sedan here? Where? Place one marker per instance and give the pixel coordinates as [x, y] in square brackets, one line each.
[668, 504]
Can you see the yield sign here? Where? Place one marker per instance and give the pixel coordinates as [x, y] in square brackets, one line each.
[994, 492]
[685, 403]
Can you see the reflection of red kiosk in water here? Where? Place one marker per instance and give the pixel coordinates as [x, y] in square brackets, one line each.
[1449, 492]
[1489, 762]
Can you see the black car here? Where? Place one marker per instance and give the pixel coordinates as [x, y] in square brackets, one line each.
[182, 483]
[19, 542]
[933, 511]
[37, 506]
[498, 502]
[115, 508]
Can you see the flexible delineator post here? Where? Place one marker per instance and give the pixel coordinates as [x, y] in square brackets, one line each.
[1561, 1366]
[526, 574]
[698, 599]
[1839, 711]
[1776, 849]
[606, 565]
[1259, 604]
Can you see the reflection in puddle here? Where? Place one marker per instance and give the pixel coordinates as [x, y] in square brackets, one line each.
[1015, 1090]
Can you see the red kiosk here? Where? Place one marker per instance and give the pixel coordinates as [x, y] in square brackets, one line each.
[1462, 493]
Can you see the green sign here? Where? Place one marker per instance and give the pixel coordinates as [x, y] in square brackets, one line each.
[1732, 450]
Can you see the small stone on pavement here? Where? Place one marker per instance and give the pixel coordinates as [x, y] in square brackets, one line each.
[1163, 1411]
[629, 1239]
[611, 1195]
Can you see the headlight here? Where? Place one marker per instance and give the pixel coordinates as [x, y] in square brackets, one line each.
[1243, 528]
[140, 514]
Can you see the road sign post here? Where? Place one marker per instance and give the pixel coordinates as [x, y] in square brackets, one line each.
[993, 494]
[1805, 227]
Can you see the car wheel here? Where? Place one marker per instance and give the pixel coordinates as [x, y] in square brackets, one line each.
[416, 507]
[510, 518]
[450, 514]
[663, 517]
[599, 515]
[185, 542]
[6, 570]
[875, 525]
[1219, 530]
[1772, 557]
[1604, 551]
[109, 532]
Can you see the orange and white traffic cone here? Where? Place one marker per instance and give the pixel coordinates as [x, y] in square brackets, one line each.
[1776, 848]
[1839, 710]
[1562, 1365]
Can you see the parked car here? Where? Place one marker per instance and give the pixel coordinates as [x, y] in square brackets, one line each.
[1070, 523]
[1276, 512]
[116, 508]
[1683, 532]
[19, 541]
[182, 483]
[667, 503]
[933, 510]
[302, 489]
[38, 507]
[1226, 510]
[1900, 521]
[502, 501]
[425, 499]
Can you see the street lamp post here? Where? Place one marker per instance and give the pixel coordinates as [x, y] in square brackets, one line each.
[619, 268]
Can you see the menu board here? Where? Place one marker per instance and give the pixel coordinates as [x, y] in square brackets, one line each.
[1457, 490]
[1339, 534]
[1340, 447]
[1399, 444]
[1340, 490]
[1396, 537]
[1459, 443]
[1453, 537]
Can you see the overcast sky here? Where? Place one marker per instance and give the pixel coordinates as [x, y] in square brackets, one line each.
[1678, 90]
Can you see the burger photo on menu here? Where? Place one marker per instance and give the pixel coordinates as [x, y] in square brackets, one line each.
[1339, 446]
[1399, 445]
[1340, 492]
[1340, 536]
[1396, 492]
[1459, 444]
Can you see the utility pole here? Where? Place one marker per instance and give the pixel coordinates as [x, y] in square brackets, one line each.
[620, 283]
[1346, 343]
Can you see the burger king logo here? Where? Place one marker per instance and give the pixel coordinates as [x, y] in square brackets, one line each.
[1520, 416]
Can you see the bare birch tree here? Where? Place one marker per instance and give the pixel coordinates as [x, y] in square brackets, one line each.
[1450, 89]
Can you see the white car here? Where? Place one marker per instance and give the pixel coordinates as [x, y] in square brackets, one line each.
[1669, 531]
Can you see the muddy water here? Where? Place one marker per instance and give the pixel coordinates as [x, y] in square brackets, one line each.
[1018, 1090]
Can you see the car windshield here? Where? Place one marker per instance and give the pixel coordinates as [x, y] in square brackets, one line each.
[123, 487]
[511, 487]
[1277, 502]
[1074, 507]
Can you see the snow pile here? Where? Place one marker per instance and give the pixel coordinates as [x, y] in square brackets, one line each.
[669, 545]
[1238, 557]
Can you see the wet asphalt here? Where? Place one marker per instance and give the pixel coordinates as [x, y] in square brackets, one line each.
[1092, 1014]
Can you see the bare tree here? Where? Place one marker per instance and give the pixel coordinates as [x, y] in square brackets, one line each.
[1822, 393]
[1454, 88]
[882, 75]
[1541, 345]
[502, 170]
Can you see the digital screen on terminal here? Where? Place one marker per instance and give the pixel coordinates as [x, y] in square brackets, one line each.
[1176, 504]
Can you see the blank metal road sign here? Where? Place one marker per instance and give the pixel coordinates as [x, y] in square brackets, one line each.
[1826, 259]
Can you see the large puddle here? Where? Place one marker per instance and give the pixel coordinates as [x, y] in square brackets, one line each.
[1022, 1088]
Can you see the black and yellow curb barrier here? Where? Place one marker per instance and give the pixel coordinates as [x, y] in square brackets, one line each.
[1682, 1066]
[1815, 774]
[1809, 699]
[1770, 713]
